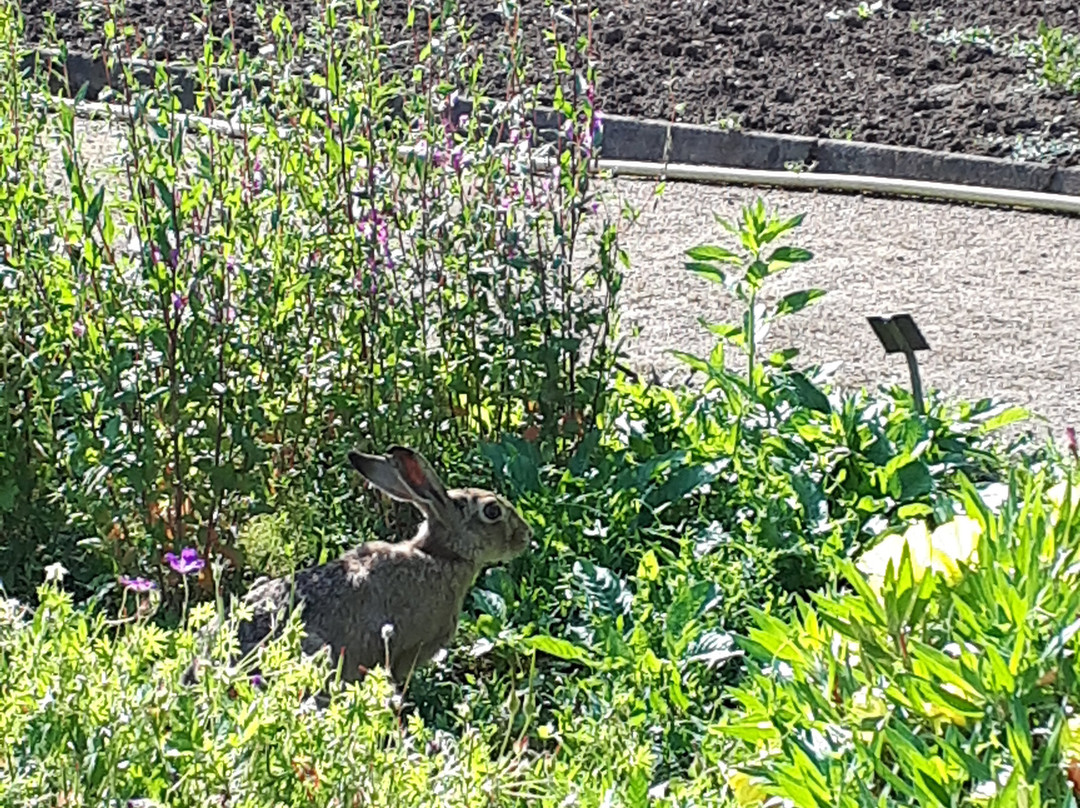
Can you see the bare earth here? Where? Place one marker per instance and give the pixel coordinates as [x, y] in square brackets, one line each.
[996, 292]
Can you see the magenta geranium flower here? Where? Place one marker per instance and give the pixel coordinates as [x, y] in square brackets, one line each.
[137, 584]
[187, 562]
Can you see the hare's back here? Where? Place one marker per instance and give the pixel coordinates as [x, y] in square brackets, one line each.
[391, 587]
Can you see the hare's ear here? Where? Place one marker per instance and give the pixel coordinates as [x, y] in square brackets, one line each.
[382, 474]
[404, 475]
[419, 476]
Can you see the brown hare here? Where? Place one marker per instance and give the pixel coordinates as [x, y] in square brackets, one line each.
[398, 602]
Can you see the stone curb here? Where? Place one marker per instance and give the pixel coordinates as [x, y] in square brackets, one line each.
[652, 141]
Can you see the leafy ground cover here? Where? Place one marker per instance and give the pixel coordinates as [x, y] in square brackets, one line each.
[755, 588]
[967, 77]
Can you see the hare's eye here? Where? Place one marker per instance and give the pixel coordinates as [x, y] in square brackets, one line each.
[493, 511]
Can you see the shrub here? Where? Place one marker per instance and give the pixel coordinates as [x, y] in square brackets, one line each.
[93, 713]
[952, 685]
[194, 336]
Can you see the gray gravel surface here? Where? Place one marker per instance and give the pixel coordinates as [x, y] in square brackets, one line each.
[996, 292]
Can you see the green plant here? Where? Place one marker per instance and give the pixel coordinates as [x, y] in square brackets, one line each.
[370, 257]
[755, 231]
[950, 687]
[978, 37]
[385, 253]
[867, 10]
[1055, 57]
[92, 711]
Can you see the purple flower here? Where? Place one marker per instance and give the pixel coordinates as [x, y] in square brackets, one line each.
[137, 584]
[257, 177]
[257, 681]
[188, 561]
[597, 123]
[78, 328]
[178, 302]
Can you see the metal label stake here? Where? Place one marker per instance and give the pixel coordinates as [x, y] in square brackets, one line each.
[899, 334]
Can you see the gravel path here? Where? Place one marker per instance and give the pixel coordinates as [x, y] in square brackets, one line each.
[995, 292]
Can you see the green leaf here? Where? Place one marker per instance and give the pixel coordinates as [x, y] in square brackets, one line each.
[726, 330]
[678, 699]
[8, 492]
[490, 603]
[913, 480]
[778, 227]
[707, 271]
[779, 359]
[713, 648]
[783, 257]
[693, 361]
[797, 301]
[1010, 415]
[682, 482]
[914, 510]
[756, 271]
[607, 593]
[809, 395]
[579, 462]
[712, 253]
[558, 648]
[94, 210]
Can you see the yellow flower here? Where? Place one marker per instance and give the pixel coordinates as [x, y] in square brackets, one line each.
[941, 551]
[747, 790]
[952, 543]
[1056, 495]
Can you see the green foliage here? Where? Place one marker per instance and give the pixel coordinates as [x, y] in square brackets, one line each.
[93, 713]
[1055, 57]
[939, 690]
[755, 231]
[194, 336]
[188, 347]
[673, 525]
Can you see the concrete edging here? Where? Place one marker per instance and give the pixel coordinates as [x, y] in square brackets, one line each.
[632, 140]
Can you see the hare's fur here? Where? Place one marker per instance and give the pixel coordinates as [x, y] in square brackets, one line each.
[395, 602]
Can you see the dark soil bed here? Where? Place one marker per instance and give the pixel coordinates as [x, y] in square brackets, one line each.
[908, 73]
